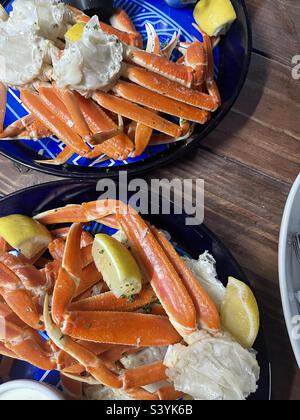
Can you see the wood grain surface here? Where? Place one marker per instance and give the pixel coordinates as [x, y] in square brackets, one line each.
[249, 164]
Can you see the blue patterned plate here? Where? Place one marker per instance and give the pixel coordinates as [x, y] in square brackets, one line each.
[232, 62]
[189, 240]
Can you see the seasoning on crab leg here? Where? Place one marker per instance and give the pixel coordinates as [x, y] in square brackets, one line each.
[109, 302]
[56, 126]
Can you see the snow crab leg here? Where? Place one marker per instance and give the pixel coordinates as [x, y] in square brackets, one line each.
[172, 89]
[22, 341]
[144, 375]
[207, 312]
[20, 300]
[136, 113]
[85, 357]
[142, 133]
[17, 128]
[80, 125]
[56, 126]
[74, 323]
[108, 302]
[158, 102]
[119, 146]
[164, 279]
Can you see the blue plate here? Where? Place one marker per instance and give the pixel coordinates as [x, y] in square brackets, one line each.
[191, 240]
[232, 62]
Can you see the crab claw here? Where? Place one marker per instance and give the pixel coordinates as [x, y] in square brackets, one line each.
[153, 44]
[170, 47]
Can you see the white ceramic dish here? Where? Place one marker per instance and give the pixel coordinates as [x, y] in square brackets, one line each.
[289, 267]
[28, 390]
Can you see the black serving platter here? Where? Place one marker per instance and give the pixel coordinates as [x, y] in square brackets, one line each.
[194, 240]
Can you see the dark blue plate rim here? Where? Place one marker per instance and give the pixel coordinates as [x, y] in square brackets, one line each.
[171, 154]
[84, 186]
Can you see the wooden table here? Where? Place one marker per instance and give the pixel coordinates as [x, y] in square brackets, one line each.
[249, 164]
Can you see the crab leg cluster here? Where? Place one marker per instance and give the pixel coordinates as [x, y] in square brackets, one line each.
[90, 330]
[150, 87]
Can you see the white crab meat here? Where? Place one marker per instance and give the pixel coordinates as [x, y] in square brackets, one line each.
[92, 63]
[26, 39]
[48, 19]
[22, 58]
[213, 368]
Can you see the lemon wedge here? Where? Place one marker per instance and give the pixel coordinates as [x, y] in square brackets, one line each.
[24, 234]
[117, 266]
[240, 313]
[215, 16]
[75, 32]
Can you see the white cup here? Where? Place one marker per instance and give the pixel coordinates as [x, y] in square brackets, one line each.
[25, 390]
